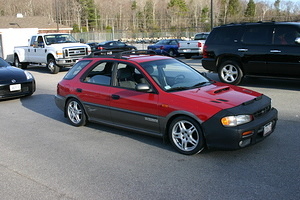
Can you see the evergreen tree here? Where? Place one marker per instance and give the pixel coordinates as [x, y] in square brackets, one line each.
[233, 7]
[250, 10]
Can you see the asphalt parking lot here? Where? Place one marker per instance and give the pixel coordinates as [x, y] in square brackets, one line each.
[44, 157]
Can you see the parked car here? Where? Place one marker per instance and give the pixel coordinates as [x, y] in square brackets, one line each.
[93, 45]
[263, 49]
[162, 96]
[166, 47]
[15, 82]
[189, 48]
[115, 45]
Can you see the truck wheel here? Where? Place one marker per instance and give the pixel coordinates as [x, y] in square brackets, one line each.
[18, 64]
[230, 72]
[51, 64]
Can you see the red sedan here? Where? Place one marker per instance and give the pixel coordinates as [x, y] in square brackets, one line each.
[164, 97]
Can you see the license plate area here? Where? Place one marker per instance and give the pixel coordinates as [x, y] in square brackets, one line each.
[267, 129]
[15, 87]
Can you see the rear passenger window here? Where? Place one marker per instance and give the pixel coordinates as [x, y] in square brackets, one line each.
[100, 74]
[257, 35]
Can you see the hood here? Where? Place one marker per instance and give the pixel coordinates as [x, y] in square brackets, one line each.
[219, 95]
[69, 45]
[9, 73]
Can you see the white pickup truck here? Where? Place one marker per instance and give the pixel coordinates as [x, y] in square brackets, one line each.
[56, 50]
[190, 48]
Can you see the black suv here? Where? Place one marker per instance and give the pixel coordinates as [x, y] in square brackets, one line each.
[266, 49]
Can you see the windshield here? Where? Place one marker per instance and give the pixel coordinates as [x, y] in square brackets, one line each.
[59, 38]
[173, 75]
[3, 63]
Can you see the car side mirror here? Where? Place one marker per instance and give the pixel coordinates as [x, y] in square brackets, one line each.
[297, 40]
[142, 87]
[81, 40]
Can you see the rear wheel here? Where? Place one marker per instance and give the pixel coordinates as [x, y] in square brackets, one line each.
[52, 66]
[18, 64]
[75, 112]
[186, 136]
[230, 72]
[172, 53]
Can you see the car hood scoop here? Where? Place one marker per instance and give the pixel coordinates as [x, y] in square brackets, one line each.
[218, 90]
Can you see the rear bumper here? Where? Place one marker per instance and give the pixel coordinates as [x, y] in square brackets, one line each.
[60, 102]
[190, 51]
[209, 64]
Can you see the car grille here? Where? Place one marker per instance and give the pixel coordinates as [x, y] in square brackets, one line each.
[76, 52]
[262, 111]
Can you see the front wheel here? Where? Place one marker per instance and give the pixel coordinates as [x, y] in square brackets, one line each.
[52, 66]
[186, 136]
[230, 72]
[75, 112]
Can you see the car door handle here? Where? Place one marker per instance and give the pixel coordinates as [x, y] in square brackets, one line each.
[275, 51]
[114, 96]
[242, 50]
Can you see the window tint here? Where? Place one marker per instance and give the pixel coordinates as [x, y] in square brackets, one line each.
[285, 35]
[257, 35]
[76, 69]
[100, 74]
[223, 35]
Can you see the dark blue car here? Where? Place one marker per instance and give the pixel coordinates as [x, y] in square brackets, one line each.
[166, 47]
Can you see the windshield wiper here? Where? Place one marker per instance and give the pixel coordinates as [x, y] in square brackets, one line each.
[202, 83]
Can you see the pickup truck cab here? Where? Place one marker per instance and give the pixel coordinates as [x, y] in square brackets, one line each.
[56, 50]
[194, 47]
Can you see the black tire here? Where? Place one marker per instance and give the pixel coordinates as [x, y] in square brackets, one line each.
[18, 64]
[187, 56]
[172, 53]
[75, 112]
[230, 72]
[52, 66]
[186, 135]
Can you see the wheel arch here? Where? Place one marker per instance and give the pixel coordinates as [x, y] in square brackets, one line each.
[76, 98]
[177, 114]
[221, 59]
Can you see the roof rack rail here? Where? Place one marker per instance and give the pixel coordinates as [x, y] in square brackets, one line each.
[118, 53]
[103, 53]
[135, 52]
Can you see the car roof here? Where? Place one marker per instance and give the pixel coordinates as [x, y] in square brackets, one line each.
[260, 23]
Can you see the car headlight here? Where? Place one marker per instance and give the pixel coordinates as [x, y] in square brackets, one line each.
[230, 121]
[28, 75]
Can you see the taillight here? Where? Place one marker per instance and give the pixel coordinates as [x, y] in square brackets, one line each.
[199, 44]
[101, 48]
[161, 47]
[205, 53]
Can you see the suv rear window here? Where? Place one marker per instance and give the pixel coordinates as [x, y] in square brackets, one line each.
[228, 35]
